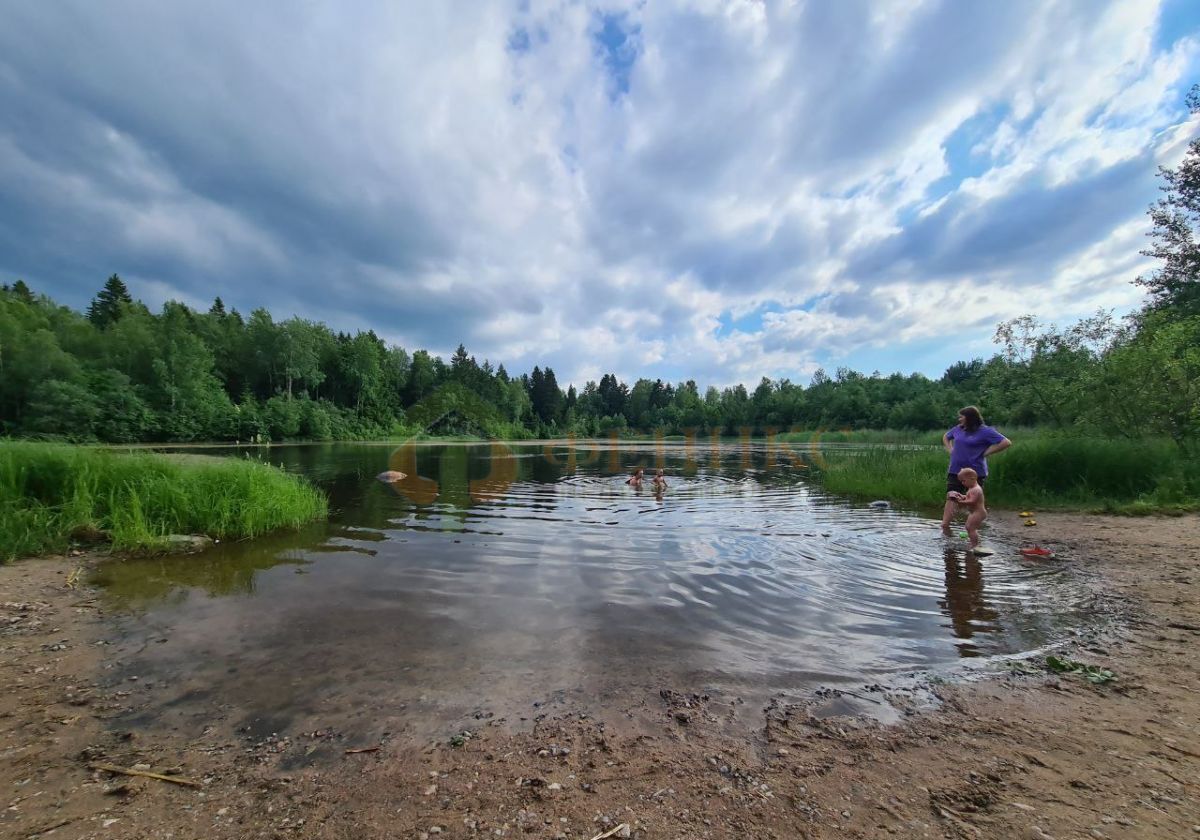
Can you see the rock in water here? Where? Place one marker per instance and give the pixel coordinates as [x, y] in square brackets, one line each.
[881, 504]
[388, 476]
[188, 542]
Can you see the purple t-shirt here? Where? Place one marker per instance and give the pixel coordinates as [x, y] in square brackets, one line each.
[970, 446]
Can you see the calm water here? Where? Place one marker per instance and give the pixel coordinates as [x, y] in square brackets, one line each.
[497, 577]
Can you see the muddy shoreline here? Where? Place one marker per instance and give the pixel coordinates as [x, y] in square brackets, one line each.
[1020, 753]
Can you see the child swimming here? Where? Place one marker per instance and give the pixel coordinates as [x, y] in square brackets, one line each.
[972, 500]
[636, 478]
[660, 480]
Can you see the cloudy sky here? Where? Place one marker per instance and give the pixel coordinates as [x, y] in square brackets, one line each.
[716, 189]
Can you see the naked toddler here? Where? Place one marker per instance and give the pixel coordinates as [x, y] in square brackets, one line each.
[972, 501]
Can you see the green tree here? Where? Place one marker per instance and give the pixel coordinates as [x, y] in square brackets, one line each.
[123, 416]
[65, 409]
[109, 304]
[1175, 284]
[1149, 381]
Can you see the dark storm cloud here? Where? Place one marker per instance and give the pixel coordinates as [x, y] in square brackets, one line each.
[173, 110]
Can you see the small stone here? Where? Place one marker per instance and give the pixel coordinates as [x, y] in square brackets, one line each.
[435, 829]
[222, 812]
[554, 786]
[141, 767]
[430, 791]
[846, 815]
[783, 751]
[624, 832]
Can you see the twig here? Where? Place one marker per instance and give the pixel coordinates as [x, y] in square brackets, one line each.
[362, 750]
[611, 832]
[1173, 777]
[1181, 750]
[50, 828]
[178, 780]
[859, 696]
[962, 825]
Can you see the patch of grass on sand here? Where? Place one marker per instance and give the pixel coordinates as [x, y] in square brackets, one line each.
[49, 492]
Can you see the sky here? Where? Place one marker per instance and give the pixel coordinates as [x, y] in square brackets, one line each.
[710, 190]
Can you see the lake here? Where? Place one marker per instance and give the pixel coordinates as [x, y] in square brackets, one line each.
[504, 581]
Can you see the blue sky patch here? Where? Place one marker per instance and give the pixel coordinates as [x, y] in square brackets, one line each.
[618, 43]
[1176, 19]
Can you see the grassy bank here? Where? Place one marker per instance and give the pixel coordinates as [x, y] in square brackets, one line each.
[1120, 476]
[50, 491]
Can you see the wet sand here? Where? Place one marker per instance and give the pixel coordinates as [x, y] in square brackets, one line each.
[1015, 752]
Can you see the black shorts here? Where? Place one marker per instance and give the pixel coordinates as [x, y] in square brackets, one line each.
[952, 483]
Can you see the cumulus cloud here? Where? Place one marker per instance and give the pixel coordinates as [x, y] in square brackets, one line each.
[718, 190]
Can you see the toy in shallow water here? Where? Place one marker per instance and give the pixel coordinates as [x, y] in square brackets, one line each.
[963, 534]
[1036, 552]
[1025, 514]
[1029, 523]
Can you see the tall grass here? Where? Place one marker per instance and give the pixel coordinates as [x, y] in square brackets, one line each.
[50, 491]
[864, 436]
[1038, 471]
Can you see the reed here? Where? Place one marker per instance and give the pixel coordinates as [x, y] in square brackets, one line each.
[1048, 471]
[49, 492]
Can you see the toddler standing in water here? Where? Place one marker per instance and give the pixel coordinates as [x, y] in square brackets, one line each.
[972, 500]
[660, 480]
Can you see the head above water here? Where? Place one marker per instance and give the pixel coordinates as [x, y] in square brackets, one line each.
[970, 418]
[658, 473]
[968, 477]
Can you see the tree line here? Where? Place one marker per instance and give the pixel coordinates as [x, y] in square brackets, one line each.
[120, 373]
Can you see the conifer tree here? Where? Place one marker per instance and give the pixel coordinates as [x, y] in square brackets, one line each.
[107, 307]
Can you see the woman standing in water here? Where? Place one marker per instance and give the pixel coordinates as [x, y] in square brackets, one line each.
[969, 443]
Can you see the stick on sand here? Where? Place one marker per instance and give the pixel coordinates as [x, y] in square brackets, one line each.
[611, 832]
[178, 780]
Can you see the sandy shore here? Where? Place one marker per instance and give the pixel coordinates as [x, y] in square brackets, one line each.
[1023, 753]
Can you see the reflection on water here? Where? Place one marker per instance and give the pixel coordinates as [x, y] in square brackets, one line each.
[497, 575]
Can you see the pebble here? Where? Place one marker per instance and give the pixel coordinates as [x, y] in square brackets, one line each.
[846, 814]
[554, 786]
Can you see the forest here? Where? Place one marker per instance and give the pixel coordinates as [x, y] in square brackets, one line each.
[122, 374]
[119, 373]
